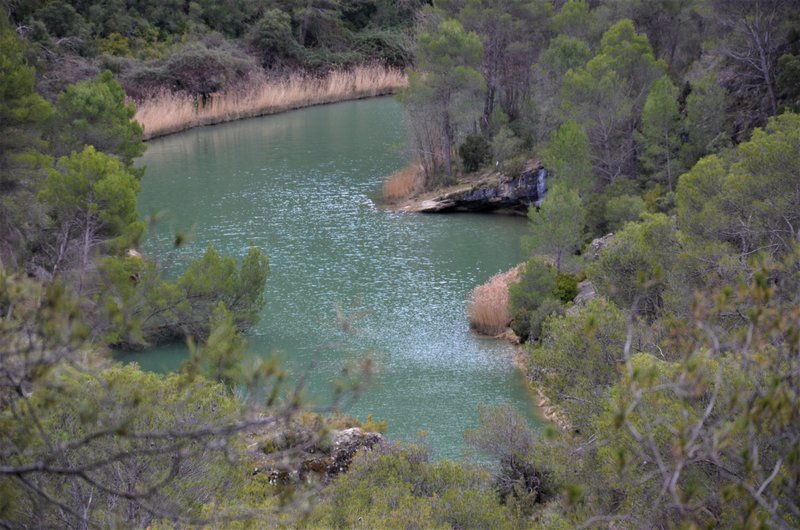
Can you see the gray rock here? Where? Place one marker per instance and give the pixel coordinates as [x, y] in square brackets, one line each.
[513, 195]
[597, 245]
[586, 292]
[346, 444]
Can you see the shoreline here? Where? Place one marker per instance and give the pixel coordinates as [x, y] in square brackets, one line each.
[425, 201]
[168, 113]
[486, 191]
[544, 407]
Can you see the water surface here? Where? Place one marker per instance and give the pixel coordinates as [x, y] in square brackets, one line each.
[348, 280]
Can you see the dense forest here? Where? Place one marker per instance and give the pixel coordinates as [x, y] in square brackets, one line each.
[670, 134]
[209, 46]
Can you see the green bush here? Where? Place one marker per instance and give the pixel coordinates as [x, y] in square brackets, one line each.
[633, 268]
[540, 292]
[536, 319]
[566, 287]
[506, 147]
[121, 403]
[537, 281]
[209, 65]
[272, 38]
[474, 152]
[400, 488]
[623, 209]
[384, 46]
[94, 113]
[514, 166]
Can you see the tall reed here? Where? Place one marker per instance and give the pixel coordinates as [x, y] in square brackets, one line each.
[168, 112]
[403, 183]
[488, 305]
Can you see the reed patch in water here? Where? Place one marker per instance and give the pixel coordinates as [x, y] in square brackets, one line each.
[168, 112]
[403, 184]
[488, 305]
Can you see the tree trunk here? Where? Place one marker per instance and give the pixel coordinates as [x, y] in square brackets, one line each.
[488, 107]
[668, 147]
[447, 132]
[304, 24]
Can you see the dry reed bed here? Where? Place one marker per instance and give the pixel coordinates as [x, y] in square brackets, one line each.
[403, 183]
[168, 112]
[488, 305]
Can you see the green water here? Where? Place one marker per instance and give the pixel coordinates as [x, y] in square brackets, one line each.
[348, 280]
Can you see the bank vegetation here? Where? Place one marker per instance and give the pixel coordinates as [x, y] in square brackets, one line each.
[672, 125]
[167, 112]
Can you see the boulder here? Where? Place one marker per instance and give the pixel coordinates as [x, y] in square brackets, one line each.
[597, 245]
[586, 292]
[345, 445]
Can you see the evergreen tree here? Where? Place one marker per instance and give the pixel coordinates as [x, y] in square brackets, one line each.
[447, 84]
[567, 155]
[96, 113]
[606, 96]
[660, 130]
[707, 121]
[556, 227]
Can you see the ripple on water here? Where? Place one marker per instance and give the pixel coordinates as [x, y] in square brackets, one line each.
[300, 186]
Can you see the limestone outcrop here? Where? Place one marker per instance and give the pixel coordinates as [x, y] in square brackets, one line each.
[508, 195]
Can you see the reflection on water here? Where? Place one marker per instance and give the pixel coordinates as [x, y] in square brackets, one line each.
[348, 280]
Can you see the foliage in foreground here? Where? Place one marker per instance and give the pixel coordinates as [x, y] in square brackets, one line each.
[114, 438]
[681, 388]
[402, 488]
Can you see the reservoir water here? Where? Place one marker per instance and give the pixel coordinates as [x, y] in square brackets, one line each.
[348, 280]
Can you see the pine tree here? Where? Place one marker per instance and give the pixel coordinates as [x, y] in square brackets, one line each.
[661, 126]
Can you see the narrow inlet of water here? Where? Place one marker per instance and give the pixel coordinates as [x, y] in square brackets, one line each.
[348, 280]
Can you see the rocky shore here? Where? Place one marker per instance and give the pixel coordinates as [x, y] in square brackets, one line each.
[492, 193]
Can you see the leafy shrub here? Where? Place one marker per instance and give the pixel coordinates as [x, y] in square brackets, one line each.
[536, 318]
[623, 209]
[207, 66]
[578, 358]
[566, 287]
[514, 166]
[504, 434]
[633, 268]
[391, 48]
[539, 293]
[537, 281]
[399, 487]
[506, 146]
[122, 403]
[95, 113]
[474, 152]
[271, 36]
[152, 310]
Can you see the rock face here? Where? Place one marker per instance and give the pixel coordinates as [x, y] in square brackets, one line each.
[345, 445]
[513, 195]
[586, 292]
[597, 245]
[295, 454]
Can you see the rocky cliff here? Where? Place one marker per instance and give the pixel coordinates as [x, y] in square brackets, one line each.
[508, 195]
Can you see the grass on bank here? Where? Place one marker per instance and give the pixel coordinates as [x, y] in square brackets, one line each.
[403, 183]
[488, 305]
[168, 112]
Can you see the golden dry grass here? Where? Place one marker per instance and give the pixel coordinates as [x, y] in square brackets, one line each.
[167, 112]
[403, 183]
[488, 305]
